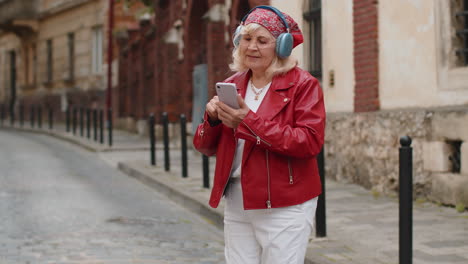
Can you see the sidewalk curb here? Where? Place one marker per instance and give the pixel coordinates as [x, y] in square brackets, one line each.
[166, 183]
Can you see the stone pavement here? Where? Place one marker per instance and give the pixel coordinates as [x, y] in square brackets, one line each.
[362, 226]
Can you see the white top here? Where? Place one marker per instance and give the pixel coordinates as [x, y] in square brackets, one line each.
[253, 105]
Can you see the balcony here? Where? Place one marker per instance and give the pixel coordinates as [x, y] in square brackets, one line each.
[18, 10]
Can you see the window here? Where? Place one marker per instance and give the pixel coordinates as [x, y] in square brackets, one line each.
[461, 27]
[49, 61]
[451, 44]
[314, 17]
[71, 53]
[97, 50]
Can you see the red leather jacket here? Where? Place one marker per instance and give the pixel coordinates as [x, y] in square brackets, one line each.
[282, 140]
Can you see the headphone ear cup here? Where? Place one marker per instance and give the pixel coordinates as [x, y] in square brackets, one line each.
[237, 36]
[284, 45]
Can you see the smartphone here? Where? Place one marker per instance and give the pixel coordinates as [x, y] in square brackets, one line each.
[227, 94]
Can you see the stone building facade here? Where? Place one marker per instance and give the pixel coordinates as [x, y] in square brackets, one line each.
[53, 53]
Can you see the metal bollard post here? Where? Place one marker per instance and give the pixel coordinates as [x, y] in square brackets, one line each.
[21, 115]
[109, 125]
[95, 124]
[320, 215]
[101, 126]
[81, 122]
[165, 124]
[12, 115]
[206, 171]
[183, 138]
[406, 201]
[152, 140]
[67, 119]
[2, 114]
[39, 116]
[31, 116]
[74, 120]
[88, 123]
[51, 118]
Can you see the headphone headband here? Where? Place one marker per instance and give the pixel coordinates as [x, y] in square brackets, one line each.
[276, 11]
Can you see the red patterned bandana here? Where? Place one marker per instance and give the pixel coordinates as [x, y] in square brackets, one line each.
[273, 23]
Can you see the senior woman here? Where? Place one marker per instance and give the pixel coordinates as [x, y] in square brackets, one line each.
[266, 149]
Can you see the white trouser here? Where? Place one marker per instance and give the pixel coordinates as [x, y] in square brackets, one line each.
[266, 236]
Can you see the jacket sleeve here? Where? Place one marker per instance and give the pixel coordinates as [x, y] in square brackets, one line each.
[304, 138]
[206, 138]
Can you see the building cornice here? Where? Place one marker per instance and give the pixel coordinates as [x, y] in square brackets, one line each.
[63, 6]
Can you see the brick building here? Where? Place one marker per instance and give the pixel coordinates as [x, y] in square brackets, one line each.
[159, 56]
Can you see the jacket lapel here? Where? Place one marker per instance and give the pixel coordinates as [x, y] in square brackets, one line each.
[277, 96]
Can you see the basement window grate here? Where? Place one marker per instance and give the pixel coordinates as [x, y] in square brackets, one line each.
[455, 155]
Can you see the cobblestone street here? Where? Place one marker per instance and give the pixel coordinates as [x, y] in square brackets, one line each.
[62, 204]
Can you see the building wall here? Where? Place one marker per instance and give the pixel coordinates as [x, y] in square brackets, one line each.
[337, 49]
[8, 42]
[409, 56]
[81, 22]
[338, 59]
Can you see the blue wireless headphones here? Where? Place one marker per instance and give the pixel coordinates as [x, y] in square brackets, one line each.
[284, 42]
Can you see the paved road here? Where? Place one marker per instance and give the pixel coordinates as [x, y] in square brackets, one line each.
[61, 204]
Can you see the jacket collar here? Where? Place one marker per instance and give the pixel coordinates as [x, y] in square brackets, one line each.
[279, 82]
[275, 99]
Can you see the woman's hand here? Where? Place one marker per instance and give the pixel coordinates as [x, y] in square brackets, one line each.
[212, 108]
[232, 117]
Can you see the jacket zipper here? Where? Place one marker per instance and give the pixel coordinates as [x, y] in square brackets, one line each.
[268, 202]
[259, 140]
[291, 181]
[256, 136]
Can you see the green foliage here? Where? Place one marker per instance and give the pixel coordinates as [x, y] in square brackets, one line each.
[460, 207]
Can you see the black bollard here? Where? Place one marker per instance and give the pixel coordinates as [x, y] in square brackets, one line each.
[101, 126]
[206, 172]
[183, 144]
[88, 123]
[31, 116]
[165, 123]
[95, 124]
[74, 120]
[152, 137]
[81, 122]
[2, 114]
[320, 215]
[67, 119]
[12, 115]
[406, 201]
[51, 118]
[39, 116]
[21, 115]
[109, 125]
